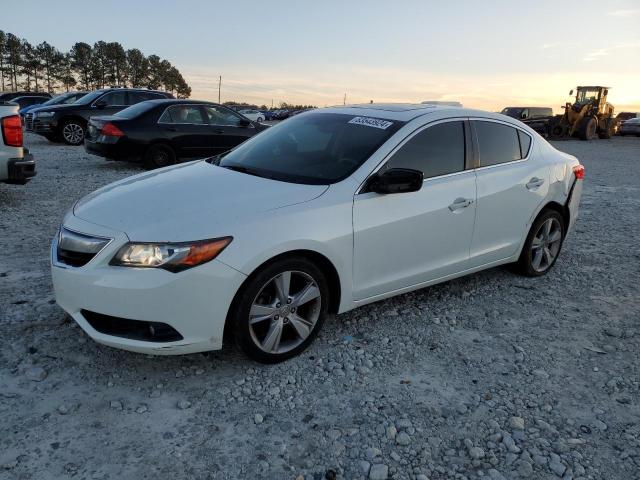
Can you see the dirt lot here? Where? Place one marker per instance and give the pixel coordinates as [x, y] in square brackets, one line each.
[491, 376]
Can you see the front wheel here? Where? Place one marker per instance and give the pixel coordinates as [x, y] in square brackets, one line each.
[543, 244]
[280, 310]
[72, 132]
[260, 119]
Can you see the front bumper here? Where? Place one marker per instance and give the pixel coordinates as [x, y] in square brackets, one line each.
[21, 170]
[194, 302]
[41, 125]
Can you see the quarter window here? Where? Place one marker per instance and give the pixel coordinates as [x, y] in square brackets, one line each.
[137, 97]
[189, 114]
[525, 143]
[497, 143]
[437, 150]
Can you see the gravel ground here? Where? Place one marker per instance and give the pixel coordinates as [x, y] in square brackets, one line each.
[491, 376]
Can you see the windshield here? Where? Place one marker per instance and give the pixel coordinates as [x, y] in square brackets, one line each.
[63, 99]
[315, 148]
[90, 97]
[135, 110]
[587, 96]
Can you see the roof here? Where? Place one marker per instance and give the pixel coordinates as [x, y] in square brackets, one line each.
[593, 86]
[405, 112]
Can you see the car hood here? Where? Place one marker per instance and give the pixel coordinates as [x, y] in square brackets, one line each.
[59, 108]
[191, 201]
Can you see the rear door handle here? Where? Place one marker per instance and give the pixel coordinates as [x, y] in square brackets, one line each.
[459, 203]
[535, 182]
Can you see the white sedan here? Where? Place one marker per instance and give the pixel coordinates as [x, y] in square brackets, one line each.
[253, 115]
[333, 209]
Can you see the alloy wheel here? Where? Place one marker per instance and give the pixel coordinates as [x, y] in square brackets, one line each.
[285, 312]
[546, 245]
[73, 133]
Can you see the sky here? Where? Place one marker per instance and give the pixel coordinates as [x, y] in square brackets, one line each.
[485, 54]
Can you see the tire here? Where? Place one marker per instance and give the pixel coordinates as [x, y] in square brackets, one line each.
[608, 129]
[271, 327]
[260, 119]
[158, 156]
[555, 129]
[72, 132]
[536, 261]
[52, 137]
[588, 128]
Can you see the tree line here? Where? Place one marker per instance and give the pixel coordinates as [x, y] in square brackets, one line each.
[45, 68]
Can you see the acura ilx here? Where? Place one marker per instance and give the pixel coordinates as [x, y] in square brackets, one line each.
[330, 210]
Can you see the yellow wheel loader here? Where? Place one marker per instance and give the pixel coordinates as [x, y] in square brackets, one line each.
[588, 116]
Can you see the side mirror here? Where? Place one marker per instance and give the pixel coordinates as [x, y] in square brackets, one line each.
[570, 92]
[523, 115]
[606, 92]
[244, 122]
[100, 104]
[396, 180]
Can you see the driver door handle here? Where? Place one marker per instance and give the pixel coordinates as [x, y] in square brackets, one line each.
[459, 203]
[535, 182]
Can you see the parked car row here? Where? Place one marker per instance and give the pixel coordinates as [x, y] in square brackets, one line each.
[163, 132]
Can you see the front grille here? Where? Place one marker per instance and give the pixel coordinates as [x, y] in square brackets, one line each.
[131, 329]
[77, 249]
[28, 122]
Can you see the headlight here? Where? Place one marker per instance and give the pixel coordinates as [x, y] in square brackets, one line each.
[44, 114]
[174, 257]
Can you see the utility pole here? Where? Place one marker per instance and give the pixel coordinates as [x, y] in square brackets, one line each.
[344, 100]
[219, 86]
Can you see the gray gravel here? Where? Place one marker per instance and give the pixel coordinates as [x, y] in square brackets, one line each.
[492, 376]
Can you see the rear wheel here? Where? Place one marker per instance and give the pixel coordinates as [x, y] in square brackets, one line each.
[158, 156]
[588, 128]
[543, 244]
[72, 132]
[280, 310]
[555, 128]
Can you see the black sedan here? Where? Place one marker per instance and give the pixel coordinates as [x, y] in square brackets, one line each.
[163, 132]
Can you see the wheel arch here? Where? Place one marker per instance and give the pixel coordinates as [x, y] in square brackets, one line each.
[320, 260]
[66, 118]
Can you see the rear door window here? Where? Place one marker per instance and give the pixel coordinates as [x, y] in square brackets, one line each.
[497, 143]
[183, 114]
[435, 151]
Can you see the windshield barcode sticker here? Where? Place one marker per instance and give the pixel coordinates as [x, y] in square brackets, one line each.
[371, 122]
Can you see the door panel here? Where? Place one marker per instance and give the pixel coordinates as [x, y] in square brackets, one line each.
[226, 128]
[508, 194]
[409, 238]
[190, 141]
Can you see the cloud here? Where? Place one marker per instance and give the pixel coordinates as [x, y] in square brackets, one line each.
[624, 13]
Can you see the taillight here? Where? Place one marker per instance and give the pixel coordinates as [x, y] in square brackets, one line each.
[578, 171]
[110, 130]
[12, 131]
